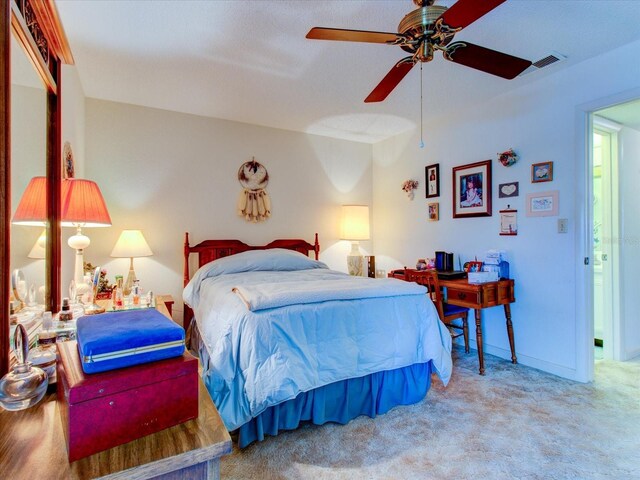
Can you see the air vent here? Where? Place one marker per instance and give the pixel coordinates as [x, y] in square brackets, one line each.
[553, 57]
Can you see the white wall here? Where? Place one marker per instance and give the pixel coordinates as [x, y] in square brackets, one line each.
[539, 121]
[629, 142]
[168, 173]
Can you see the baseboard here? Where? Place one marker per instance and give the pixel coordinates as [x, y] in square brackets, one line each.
[549, 367]
[632, 354]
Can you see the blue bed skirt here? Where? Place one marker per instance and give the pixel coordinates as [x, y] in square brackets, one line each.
[338, 402]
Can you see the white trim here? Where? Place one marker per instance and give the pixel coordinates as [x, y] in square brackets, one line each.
[129, 352]
[584, 276]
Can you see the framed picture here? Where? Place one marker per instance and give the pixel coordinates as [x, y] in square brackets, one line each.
[68, 163]
[542, 172]
[506, 190]
[543, 204]
[434, 211]
[508, 221]
[432, 177]
[472, 190]
[474, 266]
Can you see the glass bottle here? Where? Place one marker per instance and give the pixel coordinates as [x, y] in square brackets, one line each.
[66, 315]
[118, 297]
[25, 385]
[135, 293]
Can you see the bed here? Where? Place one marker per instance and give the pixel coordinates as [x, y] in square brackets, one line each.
[283, 339]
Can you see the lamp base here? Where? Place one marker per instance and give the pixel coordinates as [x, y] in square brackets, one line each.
[355, 260]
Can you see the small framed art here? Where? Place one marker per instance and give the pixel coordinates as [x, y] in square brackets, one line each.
[506, 190]
[434, 211]
[472, 190]
[432, 177]
[508, 221]
[541, 172]
[543, 204]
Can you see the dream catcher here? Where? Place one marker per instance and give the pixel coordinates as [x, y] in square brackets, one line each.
[254, 203]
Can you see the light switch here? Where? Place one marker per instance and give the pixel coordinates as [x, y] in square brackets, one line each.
[563, 225]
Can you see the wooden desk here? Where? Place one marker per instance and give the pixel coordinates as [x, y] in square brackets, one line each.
[32, 445]
[475, 296]
[483, 295]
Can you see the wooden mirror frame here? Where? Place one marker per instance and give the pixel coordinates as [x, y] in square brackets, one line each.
[46, 45]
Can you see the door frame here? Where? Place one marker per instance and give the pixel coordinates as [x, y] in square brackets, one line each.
[583, 228]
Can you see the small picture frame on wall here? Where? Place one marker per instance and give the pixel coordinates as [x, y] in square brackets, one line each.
[472, 190]
[432, 180]
[506, 190]
[543, 204]
[542, 172]
[434, 211]
[509, 221]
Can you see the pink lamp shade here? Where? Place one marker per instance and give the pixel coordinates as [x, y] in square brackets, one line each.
[83, 205]
[32, 209]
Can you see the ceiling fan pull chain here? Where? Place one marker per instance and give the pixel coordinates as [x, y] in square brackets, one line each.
[421, 129]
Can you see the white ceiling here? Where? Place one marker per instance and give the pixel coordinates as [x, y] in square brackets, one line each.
[249, 60]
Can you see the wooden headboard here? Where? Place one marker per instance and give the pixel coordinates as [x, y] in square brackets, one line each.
[210, 250]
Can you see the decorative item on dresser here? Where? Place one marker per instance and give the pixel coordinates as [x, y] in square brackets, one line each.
[346, 345]
[131, 244]
[82, 206]
[355, 227]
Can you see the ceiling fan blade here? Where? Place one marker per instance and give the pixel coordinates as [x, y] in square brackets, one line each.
[322, 33]
[487, 60]
[465, 12]
[391, 80]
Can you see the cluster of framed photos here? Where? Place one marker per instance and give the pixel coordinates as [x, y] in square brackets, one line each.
[472, 193]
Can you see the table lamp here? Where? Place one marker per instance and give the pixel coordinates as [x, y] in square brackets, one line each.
[355, 227]
[82, 206]
[32, 209]
[131, 244]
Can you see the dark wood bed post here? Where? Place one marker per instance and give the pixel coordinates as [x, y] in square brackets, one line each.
[316, 247]
[187, 314]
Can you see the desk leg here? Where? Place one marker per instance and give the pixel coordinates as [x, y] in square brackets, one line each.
[478, 313]
[507, 314]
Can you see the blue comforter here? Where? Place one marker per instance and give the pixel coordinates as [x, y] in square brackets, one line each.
[261, 358]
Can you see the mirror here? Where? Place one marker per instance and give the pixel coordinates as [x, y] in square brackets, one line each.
[28, 160]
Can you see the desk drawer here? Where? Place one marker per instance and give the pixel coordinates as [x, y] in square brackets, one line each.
[463, 298]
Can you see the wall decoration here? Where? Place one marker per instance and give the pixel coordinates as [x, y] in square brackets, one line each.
[68, 163]
[434, 211]
[408, 186]
[542, 172]
[509, 221]
[506, 190]
[432, 178]
[543, 204]
[508, 158]
[254, 203]
[472, 190]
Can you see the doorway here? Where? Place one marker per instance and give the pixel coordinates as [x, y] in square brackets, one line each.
[606, 225]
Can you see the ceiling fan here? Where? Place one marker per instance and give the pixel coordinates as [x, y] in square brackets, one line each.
[426, 29]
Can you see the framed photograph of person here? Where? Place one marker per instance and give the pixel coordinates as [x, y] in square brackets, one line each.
[432, 177]
[542, 172]
[472, 190]
[434, 213]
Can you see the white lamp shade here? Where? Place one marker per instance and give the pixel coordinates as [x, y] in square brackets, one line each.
[355, 222]
[131, 243]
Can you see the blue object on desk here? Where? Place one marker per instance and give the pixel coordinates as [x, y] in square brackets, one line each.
[122, 339]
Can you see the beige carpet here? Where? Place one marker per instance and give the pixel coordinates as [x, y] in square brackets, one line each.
[516, 422]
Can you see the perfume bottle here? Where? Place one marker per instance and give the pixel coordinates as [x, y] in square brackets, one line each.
[135, 293]
[118, 297]
[66, 315]
[25, 385]
[44, 355]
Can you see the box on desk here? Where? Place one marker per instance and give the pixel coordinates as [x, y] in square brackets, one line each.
[482, 277]
[102, 410]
